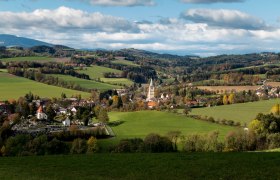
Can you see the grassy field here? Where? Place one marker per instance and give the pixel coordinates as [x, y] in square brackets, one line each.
[124, 62]
[139, 124]
[32, 58]
[88, 84]
[222, 89]
[144, 166]
[124, 81]
[95, 72]
[13, 87]
[243, 113]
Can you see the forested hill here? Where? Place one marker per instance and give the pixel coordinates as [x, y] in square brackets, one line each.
[11, 40]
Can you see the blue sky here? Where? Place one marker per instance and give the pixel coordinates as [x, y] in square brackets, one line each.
[200, 27]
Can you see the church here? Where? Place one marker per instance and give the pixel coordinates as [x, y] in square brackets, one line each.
[151, 100]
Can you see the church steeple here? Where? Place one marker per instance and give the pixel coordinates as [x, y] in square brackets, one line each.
[151, 92]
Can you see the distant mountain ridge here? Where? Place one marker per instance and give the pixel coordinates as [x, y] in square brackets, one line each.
[11, 40]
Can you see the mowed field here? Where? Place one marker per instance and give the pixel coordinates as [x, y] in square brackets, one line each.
[243, 113]
[138, 166]
[88, 84]
[13, 87]
[140, 124]
[122, 61]
[223, 89]
[96, 72]
[31, 58]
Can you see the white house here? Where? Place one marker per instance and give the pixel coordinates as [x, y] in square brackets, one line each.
[66, 122]
[40, 114]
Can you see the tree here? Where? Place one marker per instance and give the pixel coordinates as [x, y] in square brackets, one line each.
[50, 112]
[276, 110]
[103, 115]
[231, 98]
[225, 100]
[173, 137]
[256, 126]
[79, 146]
[187, 110]
[92, 145]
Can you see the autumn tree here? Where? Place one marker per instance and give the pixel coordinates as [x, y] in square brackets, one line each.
[275, 110]
[231, 98]
[225, 100]
[103, 115]
[92, 146]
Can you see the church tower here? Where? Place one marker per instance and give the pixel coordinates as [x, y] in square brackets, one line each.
[151, 91]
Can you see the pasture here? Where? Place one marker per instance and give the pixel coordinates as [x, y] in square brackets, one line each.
[140, 124]
[29, 58]
[243, 113]
[144, 166]
[88, 84]
[122, 61]
[95, 72]
[13, 87]
[223, 89]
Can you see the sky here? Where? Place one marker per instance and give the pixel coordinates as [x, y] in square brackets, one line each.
[184, 27]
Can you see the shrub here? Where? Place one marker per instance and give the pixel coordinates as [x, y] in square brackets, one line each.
[156, 143]
[79, 146]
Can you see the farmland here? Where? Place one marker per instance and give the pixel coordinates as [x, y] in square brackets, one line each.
[31, 58]
[124, 62]
[97, 72]
[144, 166]
[139, 124]
[243, 113]
[222, 89]
[88, 84]
[13, 87]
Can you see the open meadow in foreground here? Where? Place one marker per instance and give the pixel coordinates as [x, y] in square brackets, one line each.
[144, 166]
[140, 124]
[243, 113]
[13, 87]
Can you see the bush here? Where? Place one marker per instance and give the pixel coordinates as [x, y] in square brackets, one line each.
[273, 141]
[155, 143]
[79, 146]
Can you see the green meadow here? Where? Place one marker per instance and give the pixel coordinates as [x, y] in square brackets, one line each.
[124, 62]
[96, 72]
[243, 113]
[29, 58]
[140, 166]
[13, 87]
[140, 124]
[88, 84]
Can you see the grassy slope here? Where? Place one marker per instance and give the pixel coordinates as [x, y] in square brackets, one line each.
[124, 62]
[12, 87]
[139, 124]
[144, 166]
[88, 84]
[243, 113]
[96, 72]
[33, 58]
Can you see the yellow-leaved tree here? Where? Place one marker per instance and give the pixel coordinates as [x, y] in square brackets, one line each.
[275, 110]
[231, 98]
[225, 100]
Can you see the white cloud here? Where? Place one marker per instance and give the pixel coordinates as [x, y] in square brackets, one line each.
[224, 18]
[210, 1]
[80, 29]
[121, 2]
[65, 19]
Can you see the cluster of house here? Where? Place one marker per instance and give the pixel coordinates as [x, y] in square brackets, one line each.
[268, 91]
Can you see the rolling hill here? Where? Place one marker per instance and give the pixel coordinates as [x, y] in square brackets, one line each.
[11, 40]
